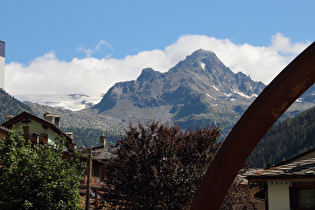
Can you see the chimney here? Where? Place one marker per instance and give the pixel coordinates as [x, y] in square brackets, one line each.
[49, 117]
[9, 117]
[102, 141]
[57, 121]
[72, 147]
[2, 63]
[70, 134]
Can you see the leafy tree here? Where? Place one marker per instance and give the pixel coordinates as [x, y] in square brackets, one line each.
[158, 166]
[36, 176]
[239, 196]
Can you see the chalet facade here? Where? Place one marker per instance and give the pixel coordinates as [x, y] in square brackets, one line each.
[38, 130]
[289, 184]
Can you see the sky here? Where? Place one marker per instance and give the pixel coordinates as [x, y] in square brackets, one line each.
[58, 47]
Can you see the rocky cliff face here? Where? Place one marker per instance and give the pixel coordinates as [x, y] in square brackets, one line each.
[198, 90]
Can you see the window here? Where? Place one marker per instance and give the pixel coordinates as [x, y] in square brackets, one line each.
[302, 197]
[306, 198]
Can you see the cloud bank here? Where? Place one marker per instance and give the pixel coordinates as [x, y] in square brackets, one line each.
[92, 76]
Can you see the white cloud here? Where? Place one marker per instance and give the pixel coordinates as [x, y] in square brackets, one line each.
[89, 52]
[102, 42]
[49, 75]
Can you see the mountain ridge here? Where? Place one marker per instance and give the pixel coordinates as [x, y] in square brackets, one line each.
[190, 90]
[199, 90]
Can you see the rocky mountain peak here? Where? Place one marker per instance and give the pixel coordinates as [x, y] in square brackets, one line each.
[202, 62]
[193, 89]
[201, 54]
[148, 74]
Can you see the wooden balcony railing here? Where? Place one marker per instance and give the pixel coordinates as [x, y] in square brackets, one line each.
[37, 138]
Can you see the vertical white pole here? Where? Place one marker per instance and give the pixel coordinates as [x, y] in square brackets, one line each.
[2, 63]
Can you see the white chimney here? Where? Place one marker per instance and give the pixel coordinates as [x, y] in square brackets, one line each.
[9, 117]
[102, 141]
[57, 121]
[2, 63]
[70, 134]
[49, 118]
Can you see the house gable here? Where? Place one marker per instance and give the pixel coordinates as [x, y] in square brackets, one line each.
[33, 125]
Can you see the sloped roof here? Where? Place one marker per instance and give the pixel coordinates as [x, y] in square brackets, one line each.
[27, 115]
[4, 129]
[299, 167]
[98, 153]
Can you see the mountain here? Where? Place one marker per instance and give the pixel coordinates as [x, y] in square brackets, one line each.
[199, 90]
[286, 139]
[10, 106]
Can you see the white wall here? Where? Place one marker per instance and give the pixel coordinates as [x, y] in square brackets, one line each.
[278, 196]
[36, 127]
[2, 63]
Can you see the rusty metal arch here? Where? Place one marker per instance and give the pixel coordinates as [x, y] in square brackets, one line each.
[276, 98]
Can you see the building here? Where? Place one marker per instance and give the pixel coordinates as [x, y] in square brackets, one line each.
[38, 130]
[4, 132]
[99, 155]
[2, 63]
[290, 184]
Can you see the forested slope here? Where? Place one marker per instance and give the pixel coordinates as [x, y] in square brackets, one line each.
[288, 138]
[10, 106]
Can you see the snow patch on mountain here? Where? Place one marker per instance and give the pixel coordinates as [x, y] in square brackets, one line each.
[73, 102]
[244, 95]
[203, 65]
[211, 96]
[215, 88]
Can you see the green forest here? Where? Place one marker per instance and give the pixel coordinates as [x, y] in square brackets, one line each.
[89, 137]
[10, 106]
[285, 139]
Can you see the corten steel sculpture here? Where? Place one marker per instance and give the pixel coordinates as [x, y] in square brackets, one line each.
[276, 98]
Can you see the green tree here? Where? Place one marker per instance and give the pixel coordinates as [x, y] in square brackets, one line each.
[36, 176]
[158, 166]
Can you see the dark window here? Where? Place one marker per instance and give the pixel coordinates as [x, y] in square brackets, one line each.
[306, 198]
[97, 171]
[302, 198]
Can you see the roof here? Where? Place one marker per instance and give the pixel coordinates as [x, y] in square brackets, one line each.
[299, 167]
[4, 129]
[98, 153]
[27, 115]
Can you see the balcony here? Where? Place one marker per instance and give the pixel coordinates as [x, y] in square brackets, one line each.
[37, 138]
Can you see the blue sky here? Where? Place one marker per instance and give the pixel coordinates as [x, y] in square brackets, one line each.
[116, 39]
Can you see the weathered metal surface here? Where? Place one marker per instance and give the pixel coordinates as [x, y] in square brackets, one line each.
[276, 98]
